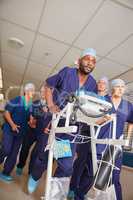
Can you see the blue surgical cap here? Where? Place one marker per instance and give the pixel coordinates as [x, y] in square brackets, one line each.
[89, 52]
[29, 86]
[117, 82]
[104, 78]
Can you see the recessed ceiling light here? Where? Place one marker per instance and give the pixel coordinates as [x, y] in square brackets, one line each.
[15, 43]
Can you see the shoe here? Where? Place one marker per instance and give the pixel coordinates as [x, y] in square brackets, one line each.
[32, 185]
[70, 195]
[19, 171]
[6, 178]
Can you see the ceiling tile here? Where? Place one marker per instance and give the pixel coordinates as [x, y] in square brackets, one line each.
[9, 31]
[123, 54]
[0, 28]
[7, 84]
[13, 63]
[70, 59]
[64, 20]
[23, 12]
[130, 87]
[128, 3]
[112, 24]
[108, 68]
[14, 77]
[47, 51]
[11, 90]
[36, 72]
[129, 92]
[128, 76]
[37, 83]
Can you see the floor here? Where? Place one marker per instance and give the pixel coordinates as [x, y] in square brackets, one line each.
[127, 182]
[17, 190]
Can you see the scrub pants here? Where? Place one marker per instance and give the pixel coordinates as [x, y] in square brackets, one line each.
[39, 157]
[80, 164]
[82, 175]
[9, 150]
[64, 165]
[116, 179]
[29, 138]
[82, 179]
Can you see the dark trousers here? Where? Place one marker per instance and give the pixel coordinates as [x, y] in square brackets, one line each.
[82, 178]
[29, 138]
[82, 175]
[9, 150]
[64, 165]
[39, 157]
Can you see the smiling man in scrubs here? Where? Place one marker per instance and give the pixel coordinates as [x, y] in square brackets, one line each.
[58, 87]
[81, 171]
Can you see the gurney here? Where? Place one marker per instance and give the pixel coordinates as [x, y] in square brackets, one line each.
[87, 109]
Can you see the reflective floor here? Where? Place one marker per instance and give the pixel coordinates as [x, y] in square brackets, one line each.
[17, 190]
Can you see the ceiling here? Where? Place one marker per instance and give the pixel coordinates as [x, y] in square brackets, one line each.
[55, 32]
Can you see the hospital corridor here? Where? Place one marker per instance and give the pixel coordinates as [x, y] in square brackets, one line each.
[66, 99]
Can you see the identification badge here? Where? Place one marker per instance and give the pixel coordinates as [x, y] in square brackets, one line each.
[62, 149]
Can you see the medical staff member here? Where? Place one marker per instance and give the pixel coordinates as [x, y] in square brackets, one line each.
[38, 109]
[38, 160]
[81, 171]
[124, 113]
[58, 87]
[17, 113]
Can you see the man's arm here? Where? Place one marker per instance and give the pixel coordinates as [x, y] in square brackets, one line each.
[103, 119]
[54, 83]
[49, 99]
[130, 130]
[32, 122]
[8, 118]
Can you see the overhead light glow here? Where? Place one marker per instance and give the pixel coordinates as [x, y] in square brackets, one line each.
[1, 81]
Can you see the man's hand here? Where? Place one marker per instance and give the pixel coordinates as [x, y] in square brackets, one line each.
[47, 129]
[15, 127]
[103, 119]
[53, 108]
[45, 109]
[32, 122]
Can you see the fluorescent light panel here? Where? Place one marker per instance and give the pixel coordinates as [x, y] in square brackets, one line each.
[1, 81]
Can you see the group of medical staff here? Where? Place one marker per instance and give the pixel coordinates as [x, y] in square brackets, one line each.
[28, 122]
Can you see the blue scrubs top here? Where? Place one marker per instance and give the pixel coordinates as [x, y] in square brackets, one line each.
[19, 113]
[67, 82]
[124, 113]
[43, 118]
